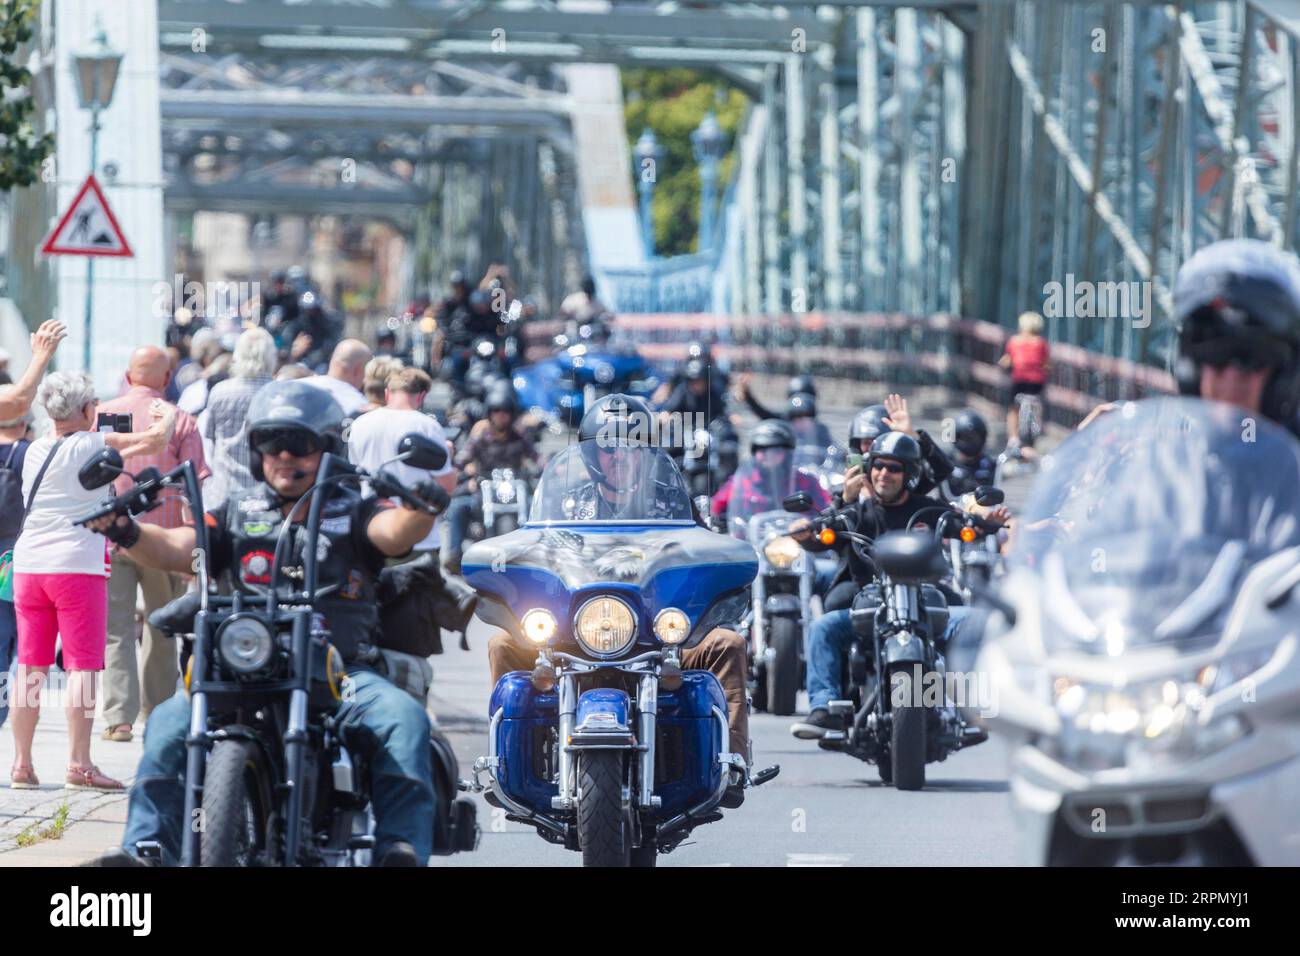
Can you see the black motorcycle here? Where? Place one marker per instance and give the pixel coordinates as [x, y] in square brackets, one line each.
[902, 706]
[272, 777]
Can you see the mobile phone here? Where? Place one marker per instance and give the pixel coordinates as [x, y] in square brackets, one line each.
[114, 422]
[853, 461]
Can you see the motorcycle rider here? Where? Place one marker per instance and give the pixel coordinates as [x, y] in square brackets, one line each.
[971, 466]
[875, 420]
[311, 335]
[608, 434]
[283, 299]
[502, 444]
[291, 426]
[772, 444]
[479, 321]
[801, 413]
[798, 385]
[894, 466]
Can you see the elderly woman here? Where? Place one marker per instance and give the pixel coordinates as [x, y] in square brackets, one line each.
[60, 571]
[225, 434]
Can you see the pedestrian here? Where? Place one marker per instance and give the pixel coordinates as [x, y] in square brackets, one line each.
[346, 376]
[225, 425]
[59, 567]
[378, 370]
[291, 371]
[135, 684]
[13, 450]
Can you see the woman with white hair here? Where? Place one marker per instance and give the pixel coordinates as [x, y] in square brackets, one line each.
[61, 571]
[1027, 359]
[224, 431]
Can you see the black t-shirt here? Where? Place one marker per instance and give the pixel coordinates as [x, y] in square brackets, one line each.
[873, 519]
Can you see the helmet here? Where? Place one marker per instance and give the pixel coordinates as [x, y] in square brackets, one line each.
[802, 405]
[480, 298]
[901, 446]
[695, 370]
[308, 301]
[697, 350]
[971, 433]
[456, 278]
[1240, 300]
[868, 425]
[293, 404]
[501, 395]
[279, 276]
[801, 385]
[618, 417]
[772, 433]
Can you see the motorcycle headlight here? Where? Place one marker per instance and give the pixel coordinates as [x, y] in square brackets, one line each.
[781, 551]
[605, 626]
[538, 625]
[505, 492]
[245, 644]
[672, 626]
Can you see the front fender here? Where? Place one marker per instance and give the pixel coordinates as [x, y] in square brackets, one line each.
[602, 720]
[900, 651]
[782, 605]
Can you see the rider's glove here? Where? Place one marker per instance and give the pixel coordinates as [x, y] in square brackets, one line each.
[433, 493]
[123, 535]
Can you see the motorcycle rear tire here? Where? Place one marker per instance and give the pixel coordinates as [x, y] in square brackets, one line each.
[783, 666]
[236, 805]
[603, 832]
[907, 746]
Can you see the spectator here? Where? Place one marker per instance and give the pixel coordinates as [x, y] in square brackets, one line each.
[205, 346]
[346, 376]
[16, 399]
[378, 370]
[224, 425]
[292, 371]
[13, 449]
[58, 567]
[133, 688]
[374, 436]
[195, 397]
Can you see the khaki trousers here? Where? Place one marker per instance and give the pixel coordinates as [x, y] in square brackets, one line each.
[134, 687]
[722, 652]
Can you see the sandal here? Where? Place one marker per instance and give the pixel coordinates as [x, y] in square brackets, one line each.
[23, 778]
[120, 734]
[91, 778]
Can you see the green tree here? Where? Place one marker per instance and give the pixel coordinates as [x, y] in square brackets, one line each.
[672, 102]
[21, 151]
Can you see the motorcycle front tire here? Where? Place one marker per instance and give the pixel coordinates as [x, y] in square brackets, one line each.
[603, 833]
[907, 747]
[783, 637]
[236, 805]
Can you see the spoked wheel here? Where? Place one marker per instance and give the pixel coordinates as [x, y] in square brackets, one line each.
[783, 665]
[236, 806]
[907, 733]
[603, 831]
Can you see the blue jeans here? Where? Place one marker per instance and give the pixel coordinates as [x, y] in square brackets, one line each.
[832, 633]
[8, 650]
[458, 515]
[401, 769]
[824, 573]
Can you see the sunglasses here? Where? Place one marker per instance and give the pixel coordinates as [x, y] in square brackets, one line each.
[295, 441]
[892, 467]
[1244, 357]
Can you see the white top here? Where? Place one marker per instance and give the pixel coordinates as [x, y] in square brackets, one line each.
[373, 441]
[194, 397]
[347, 396]
[50, 542]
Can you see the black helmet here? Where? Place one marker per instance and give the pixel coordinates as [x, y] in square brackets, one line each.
[771, 433]
[611, 421]
[457, 278]
[501, 396]
[901, 446]
[293, 405]
[695, 370]
[1239, 300]
[801, 405]
[970, 433]
[868, 425]
[697, 350]
[480, 297]
[801, 385]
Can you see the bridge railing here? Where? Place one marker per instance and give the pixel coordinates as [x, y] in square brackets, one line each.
[891, 350]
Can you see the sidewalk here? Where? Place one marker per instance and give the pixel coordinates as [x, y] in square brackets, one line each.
[94, 820]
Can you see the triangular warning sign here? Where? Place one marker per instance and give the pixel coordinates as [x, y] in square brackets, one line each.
[88, 228]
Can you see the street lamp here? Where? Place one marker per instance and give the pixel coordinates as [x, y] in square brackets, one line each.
[708, 141]
[648, 154]
[96, 72]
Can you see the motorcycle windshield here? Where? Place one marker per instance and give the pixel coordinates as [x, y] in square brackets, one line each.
[1141, 527]
[595, 482]
[766, 480]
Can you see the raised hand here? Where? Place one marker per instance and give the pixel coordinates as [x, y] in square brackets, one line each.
[900, 419]
[45, 340]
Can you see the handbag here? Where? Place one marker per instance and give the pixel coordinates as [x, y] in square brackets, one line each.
[7, 559]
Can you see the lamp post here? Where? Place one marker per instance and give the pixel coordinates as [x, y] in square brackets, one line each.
[647, 154]
[96, 72]
[708, 141]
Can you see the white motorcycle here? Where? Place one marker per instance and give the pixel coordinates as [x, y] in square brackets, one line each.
[504, 497]
[1146, 670]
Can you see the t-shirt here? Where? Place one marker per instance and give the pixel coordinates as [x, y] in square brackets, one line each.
[50, 542]
[1028, 359]
[374, 438]
[347, 396]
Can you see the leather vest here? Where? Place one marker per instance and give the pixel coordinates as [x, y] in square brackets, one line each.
[351, 611]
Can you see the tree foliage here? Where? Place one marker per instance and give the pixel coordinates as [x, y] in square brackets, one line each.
[21, 151]
[672, 102]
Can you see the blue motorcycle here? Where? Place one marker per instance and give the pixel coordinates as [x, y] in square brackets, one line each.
[608, 745]
[584, 368]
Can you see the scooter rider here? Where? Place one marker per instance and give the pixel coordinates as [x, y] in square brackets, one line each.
[291, 425]
[894, 466]
[971, 467]
[609, 428]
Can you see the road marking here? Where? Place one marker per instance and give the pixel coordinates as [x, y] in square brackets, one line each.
[817, 859]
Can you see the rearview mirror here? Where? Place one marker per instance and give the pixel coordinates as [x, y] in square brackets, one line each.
[799, 501]
[420, 451]
[101, 469]
[988, 496]
[910, 558]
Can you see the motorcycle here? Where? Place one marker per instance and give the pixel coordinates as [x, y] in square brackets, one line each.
[713, 457]
[973, 552]
[504, 497]
[897, 691]
[780, 612]
[1144, 662]
[608, 746]
[270, 771]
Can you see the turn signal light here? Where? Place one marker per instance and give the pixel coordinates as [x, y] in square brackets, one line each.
[826, 536]
[968, 535]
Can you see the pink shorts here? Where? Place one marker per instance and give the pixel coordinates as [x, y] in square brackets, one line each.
[71, 606]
